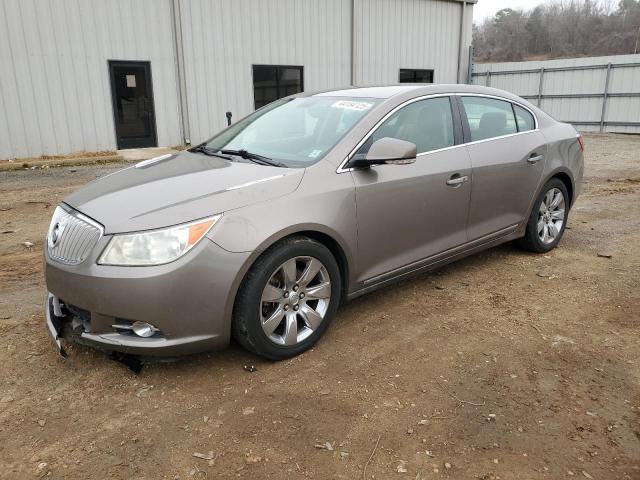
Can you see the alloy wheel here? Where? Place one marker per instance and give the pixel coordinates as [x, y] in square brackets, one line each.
[551, 216]
[295, 300]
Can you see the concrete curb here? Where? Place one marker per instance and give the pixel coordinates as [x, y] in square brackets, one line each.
[35, 164]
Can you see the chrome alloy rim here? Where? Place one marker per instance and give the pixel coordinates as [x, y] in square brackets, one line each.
[295, 300]
[551, 216]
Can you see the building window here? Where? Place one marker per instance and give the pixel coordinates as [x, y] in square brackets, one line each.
[271, 82]
[409, 75]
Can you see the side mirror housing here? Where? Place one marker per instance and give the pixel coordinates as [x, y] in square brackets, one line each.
[388, 151]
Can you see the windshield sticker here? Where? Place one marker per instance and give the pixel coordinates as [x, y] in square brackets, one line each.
[315, 154]
[349, 105]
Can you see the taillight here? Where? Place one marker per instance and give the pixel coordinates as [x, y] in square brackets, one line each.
[581, 142]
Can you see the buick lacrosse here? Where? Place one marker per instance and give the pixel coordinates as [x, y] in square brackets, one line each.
[261, 232]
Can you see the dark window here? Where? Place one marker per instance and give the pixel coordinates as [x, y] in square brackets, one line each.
[488, 117]
[408, 75]
[271, 82]
[427, 123]
[524, 118]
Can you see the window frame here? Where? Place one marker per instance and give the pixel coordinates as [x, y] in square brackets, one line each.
[458, 134]
[414, 71]
[460, 122]
[465, 121]
[515, 116]
[455, 123]
[277, 86]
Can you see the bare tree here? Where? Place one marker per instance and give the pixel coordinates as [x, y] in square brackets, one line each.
[560, 28]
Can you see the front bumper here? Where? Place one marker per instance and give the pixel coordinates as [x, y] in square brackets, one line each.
[190, 301]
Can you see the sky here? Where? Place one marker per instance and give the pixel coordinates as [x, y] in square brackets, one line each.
[487, 8]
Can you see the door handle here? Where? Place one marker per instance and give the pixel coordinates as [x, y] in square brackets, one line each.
[457, 180]
[534, 158]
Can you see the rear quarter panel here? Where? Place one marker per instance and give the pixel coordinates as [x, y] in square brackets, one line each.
[564, 155]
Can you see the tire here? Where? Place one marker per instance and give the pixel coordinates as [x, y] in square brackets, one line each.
[546, 226]
[268, 293]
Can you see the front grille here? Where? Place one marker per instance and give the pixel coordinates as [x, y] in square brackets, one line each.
[71, 237]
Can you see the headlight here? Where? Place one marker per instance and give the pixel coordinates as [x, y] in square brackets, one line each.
[155, 247]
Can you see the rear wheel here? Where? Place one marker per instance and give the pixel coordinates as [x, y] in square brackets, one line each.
[548, 218]
[287, 299]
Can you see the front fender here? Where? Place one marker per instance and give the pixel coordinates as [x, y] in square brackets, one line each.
[312, 207]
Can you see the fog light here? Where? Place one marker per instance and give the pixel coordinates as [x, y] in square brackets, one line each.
[143, 329]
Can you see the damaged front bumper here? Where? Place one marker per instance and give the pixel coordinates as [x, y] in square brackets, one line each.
[54, 319]
[71, 324]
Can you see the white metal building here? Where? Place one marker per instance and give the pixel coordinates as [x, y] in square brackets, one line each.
[99, 75]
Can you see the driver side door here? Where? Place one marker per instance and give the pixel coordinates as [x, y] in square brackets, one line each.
[409, 213]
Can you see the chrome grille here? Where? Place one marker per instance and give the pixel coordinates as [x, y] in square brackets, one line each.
[71, 237]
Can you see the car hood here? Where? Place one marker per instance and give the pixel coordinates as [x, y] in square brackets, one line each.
[174, 189]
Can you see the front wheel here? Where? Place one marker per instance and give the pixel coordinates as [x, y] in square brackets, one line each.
[287, 299]
[548, 218]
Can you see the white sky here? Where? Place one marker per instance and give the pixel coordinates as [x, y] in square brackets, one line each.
[487, 8]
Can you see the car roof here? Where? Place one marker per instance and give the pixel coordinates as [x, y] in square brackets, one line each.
[412, 90]
[369, 92]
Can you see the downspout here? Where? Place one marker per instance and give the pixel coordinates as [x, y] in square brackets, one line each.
[461, 49]
[180, 73]
[353, 43]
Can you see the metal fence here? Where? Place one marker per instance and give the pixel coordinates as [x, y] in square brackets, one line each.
[594, 94]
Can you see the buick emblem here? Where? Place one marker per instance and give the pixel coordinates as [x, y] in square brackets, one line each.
[56, 233]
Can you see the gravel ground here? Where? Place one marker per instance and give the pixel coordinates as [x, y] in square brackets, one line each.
[504, 365]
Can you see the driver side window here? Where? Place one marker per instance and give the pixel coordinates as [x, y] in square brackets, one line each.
[427, 123]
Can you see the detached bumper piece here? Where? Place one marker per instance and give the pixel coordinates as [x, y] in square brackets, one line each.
[54, 319]
[67, 321]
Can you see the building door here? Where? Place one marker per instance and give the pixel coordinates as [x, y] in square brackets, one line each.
[133, 110]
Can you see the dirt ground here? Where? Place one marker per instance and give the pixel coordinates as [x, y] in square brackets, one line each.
[504, 365]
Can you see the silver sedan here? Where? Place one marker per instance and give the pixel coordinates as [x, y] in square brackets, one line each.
[261, 232]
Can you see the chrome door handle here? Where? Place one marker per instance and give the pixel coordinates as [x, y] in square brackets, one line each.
[457, 180]
[535, 158]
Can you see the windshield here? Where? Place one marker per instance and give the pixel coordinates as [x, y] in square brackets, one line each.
[296, 132]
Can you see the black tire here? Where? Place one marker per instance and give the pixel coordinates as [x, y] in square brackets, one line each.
[246, 326]
[531, 240]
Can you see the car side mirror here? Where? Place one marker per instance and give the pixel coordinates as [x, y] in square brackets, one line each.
[387, 151]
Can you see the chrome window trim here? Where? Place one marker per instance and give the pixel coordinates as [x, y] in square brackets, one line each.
[341, 168]
[496, 97]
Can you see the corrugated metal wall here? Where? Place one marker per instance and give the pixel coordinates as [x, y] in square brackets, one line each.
[219, 54]
[389, 35]
[407, 34]
[55, 95]
[578, 89]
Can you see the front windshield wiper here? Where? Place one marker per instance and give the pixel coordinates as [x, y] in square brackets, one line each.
[261, 159]
[202, 148]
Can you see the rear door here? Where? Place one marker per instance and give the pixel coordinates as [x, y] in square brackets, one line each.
[507, 154]
[406, 213]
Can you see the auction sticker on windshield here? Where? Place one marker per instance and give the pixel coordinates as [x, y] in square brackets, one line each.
[349, 105]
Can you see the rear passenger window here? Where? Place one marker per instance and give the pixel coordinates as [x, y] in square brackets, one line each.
[427, 123]
[489, 118]
[524, 118]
